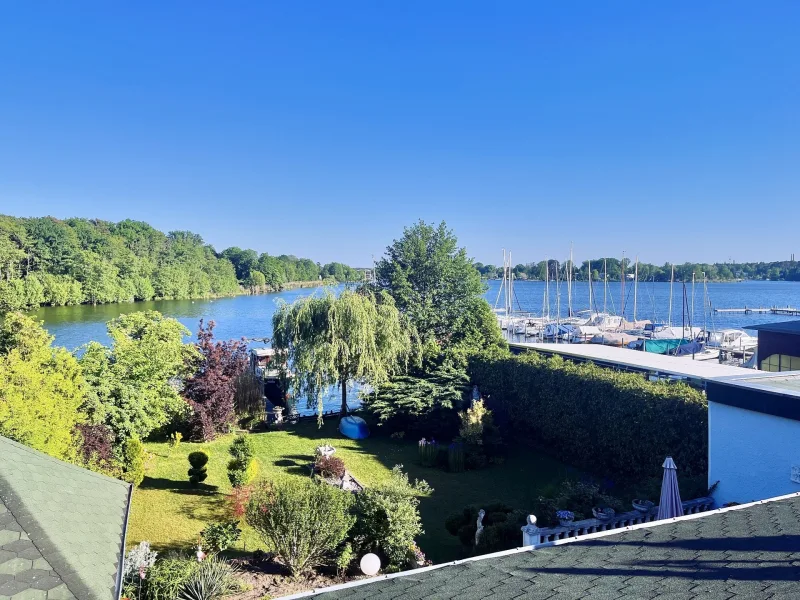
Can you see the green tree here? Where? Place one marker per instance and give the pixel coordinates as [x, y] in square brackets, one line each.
[41, 388]
[355, 337]
[431, 279]
[132, 383]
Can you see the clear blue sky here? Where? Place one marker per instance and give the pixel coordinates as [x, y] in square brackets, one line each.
[666, 129]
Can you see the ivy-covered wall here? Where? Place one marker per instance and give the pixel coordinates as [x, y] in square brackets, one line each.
[601, 420]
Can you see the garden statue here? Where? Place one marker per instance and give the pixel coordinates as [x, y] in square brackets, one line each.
[278, 414]
[476, 394]
[481, 514]
[327, 451]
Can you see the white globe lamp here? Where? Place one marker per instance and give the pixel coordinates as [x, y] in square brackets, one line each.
[370, 564]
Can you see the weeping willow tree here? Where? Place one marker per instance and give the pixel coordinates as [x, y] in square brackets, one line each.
[358, 336]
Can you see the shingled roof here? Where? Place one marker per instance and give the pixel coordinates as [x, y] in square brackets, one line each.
[62, 528]
[748, 552]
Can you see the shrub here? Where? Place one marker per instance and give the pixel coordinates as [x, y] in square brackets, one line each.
[344, 559]
[240, 474]
[242, 448]
[329, 467]
[197, 471]
[302, 521]
[96, 446]
[175, 439]
[618, 422]
[455, 457]
[387, 517]
[428, 452]
[237, 501]
[242, 469]
[211, 580]
[166, 578]
[501, 528]
[219, 536]
[133, 461]
[577, 497]
[138, 559]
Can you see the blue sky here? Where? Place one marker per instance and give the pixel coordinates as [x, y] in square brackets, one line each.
[670, 130]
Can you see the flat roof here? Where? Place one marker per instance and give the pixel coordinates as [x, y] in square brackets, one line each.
[638, 360]
[791, 327]
[776, 394]
[747, 551]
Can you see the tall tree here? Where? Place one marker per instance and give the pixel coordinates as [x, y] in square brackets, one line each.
[431, 279]
[358, 336]
[211, 389]
[41, 388]
[132, 384]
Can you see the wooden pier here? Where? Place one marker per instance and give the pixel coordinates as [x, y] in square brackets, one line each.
[787, 311]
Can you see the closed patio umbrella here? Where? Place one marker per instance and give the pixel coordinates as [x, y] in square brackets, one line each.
[670, 505]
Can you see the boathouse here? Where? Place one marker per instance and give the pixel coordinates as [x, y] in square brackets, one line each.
[778, 346]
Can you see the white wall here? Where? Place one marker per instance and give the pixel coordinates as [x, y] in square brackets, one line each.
[751, 454]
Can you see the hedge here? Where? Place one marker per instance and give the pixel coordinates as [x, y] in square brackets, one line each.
[597, 419]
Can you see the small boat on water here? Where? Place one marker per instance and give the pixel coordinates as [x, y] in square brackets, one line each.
[354, 428]
[732, 340]
[612, 338]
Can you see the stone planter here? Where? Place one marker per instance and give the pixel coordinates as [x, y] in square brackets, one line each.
[643, 506]
[566, 522]
[603, 514]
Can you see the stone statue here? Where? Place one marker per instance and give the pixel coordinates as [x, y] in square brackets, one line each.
[530, 532]
[479, 531]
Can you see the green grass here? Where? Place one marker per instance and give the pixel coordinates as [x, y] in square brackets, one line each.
[170, 514]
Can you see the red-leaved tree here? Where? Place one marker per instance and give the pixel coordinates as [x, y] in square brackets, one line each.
[211, 390]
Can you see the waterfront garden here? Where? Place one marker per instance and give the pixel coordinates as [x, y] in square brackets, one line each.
[184, 423]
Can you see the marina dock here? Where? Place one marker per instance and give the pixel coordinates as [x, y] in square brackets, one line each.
[787, 311]
[657, 366]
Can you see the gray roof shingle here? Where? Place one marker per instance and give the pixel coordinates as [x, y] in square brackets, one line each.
[748, 553]
[62, 528]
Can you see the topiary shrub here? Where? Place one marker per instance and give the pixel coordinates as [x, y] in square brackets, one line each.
[242, 469]
[241, 448]
[329, 467]
[302, 521]
[197, 471]
[133, 461]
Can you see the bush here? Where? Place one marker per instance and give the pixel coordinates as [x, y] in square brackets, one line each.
[97, 446]
[329, 467]
[302, 521]
[197, 472]
[240, 474]
[219, 536]
[428, 452]
[242, 469]
[133, 461]
[211, 580]
[138, 559]
[166, 578]
[618, 423]
[242, 448]
[501, 528]
[455, 457]
[387, 517]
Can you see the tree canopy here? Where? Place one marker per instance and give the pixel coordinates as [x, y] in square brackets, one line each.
[41, 388]
[358, 336]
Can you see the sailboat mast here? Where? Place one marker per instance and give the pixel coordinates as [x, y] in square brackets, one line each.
[605, 286]
[635, 287]
[569, 283]
[671, 282]
[510, 286]
[590, 288]
[622, 285]
[693, 278]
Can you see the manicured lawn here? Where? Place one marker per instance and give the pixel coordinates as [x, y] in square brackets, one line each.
[170, 514]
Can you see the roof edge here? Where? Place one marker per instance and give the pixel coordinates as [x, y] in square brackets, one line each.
[121, 563]
[590, 536]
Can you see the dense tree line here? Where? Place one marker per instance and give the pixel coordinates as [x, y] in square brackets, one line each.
[47, 261]
[788, 270]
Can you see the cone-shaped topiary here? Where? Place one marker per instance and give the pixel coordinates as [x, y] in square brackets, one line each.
[197, 472]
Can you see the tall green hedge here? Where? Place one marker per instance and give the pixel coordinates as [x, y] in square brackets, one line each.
[601, 420]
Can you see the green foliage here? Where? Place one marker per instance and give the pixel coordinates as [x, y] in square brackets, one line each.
[131, 387]
[387, 517]
[455, 457]
[41, 388]
[302, 521]
[248, 398]
[133, 461]
[197, 466]
[577, 497]
[213, 579]
[242, 468]
[501, 528]
[167, 576]
[432, 281]
[428, 452]
[344, 559]
[219, 536]
[479, 435]
[423, 402]
[357, 336]
[597, 419]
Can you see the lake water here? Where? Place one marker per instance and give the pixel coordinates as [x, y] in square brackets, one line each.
[251, 316]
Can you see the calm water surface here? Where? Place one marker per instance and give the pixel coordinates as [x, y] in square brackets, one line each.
[251, 316]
